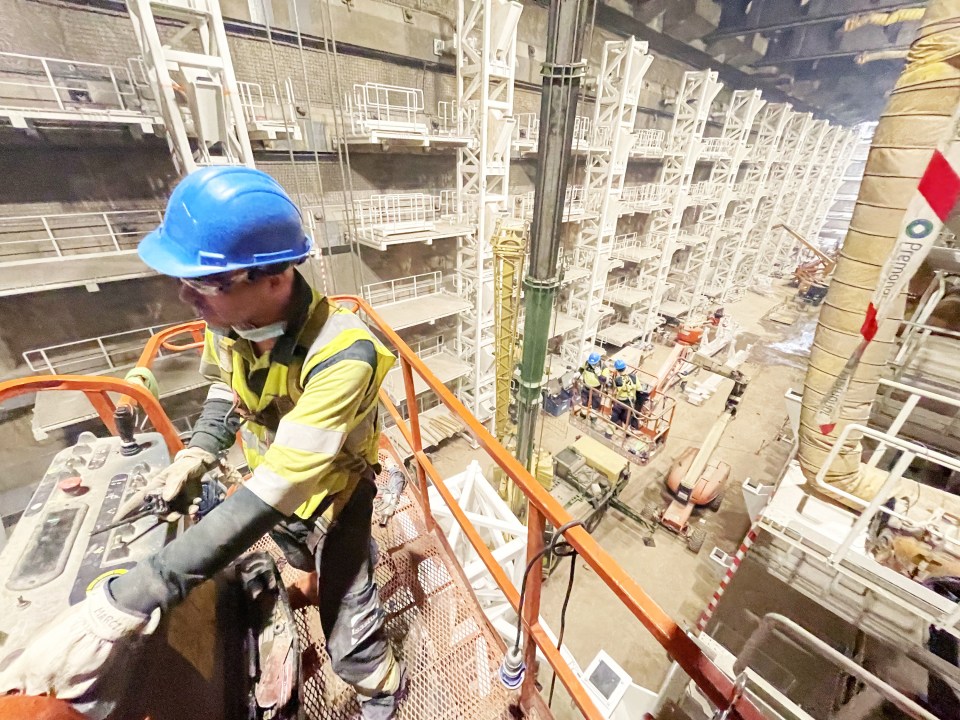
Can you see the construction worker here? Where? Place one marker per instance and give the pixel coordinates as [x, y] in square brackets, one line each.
[591, 380]
[642, 392]
[623, 387]
[300, 376]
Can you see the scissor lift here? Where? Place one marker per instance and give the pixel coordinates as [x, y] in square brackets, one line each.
[452, 652]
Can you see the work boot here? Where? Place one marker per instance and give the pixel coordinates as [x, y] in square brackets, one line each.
[385, 706]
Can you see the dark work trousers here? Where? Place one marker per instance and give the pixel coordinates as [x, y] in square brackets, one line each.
[618, 412]
[638, 402]
[344, 554]
[586, 399]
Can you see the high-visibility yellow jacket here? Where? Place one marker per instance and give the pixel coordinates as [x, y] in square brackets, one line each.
[591, 378]
[310, 404]
[626, 388]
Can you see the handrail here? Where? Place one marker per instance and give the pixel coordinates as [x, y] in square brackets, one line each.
[97, 388]
[67, 87]
[543, 507]
[107, 231]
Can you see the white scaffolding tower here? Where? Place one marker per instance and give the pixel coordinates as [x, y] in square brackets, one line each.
[754, 187]
[782, 244]
[486, 54]
[197, 92]
[829, 183]
[680, 158]
[735, 137]
[782, 179]
[618, 91]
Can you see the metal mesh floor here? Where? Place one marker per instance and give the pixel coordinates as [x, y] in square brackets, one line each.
[435, 627]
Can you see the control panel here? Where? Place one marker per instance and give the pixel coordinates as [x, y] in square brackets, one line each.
[60, 550]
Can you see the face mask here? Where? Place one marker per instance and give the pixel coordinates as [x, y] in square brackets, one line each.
[262, 334]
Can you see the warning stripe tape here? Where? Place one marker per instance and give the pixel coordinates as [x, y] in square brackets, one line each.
[937, 194]
[727, 577]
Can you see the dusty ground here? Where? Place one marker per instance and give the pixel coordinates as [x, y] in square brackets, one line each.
[677, 580]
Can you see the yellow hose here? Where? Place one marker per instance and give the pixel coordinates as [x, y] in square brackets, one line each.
[915, 120]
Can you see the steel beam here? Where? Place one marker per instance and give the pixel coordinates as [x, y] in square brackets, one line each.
[624, 25]
[771, 16]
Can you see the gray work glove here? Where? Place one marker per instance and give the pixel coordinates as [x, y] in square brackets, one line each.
[388, 499]
[188, 467]
[78, 648]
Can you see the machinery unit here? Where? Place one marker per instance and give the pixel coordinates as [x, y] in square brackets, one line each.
[696, 479]
[230, 652]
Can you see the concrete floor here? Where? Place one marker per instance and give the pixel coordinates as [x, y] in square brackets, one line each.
[677, 580]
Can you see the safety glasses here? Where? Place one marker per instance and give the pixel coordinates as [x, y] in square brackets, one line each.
[216, 284]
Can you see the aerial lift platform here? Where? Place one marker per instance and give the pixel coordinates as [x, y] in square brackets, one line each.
[458, 665]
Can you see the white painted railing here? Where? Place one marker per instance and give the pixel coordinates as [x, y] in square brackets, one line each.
[716, 147]
[702, 191]
[374, 107]
[526, 132]
[92, 355]
[381, 215]
[405, 288]
[649, 143]
[574, 205]
[31, 82]
[278, 107]
[642, 198]
[30, 237]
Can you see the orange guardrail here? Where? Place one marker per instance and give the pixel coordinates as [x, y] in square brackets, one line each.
[98, 389]
[543, 508]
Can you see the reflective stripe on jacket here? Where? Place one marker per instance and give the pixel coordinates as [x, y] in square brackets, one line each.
[626, 388]
[590, 377]
[310, 404]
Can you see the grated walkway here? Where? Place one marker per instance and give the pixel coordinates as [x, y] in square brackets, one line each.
[435, 627]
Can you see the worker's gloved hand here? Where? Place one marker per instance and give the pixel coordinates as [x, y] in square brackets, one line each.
[389, 497]
[75, 653]
[179, 483]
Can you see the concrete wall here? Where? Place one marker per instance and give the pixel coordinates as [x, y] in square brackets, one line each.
[75, 171]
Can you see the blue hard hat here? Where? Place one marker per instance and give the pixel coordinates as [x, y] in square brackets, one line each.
[619, 365]
[225, 218]
[593, 359]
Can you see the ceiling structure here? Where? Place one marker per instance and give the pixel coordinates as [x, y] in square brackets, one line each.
[839, 58]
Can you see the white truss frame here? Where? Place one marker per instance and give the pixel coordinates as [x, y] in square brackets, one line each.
[781, 181]
[486, 56]
[731, 151]
[685, 141]
[773, 119]
[211, 114]
[829, 183]
[796, 195]
[619, 84]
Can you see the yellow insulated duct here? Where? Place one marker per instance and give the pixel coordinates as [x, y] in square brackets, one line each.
[509, 245]
[883, 18]
[915, 120]
[870, 56]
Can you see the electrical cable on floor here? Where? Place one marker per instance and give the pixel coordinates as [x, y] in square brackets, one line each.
[565, 549]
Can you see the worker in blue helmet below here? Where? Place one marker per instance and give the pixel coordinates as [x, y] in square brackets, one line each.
[591, 382]
[300, 378]
[623, 387]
